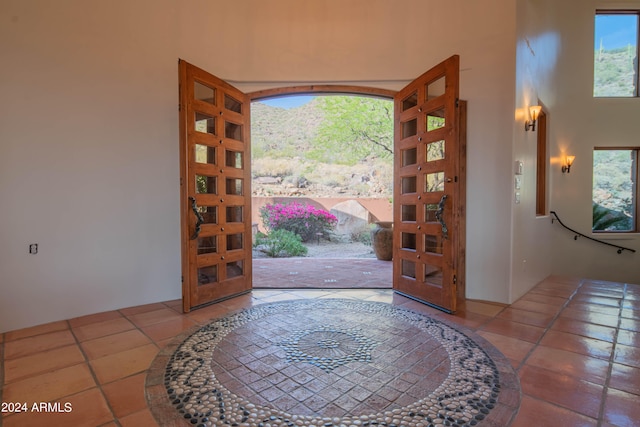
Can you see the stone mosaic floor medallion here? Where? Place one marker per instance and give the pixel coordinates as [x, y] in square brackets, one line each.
[328, 347]
[333, 363]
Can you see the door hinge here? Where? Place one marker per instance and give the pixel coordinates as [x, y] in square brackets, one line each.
[455, 279]
[180, 182]
[457, 102]
[182, 279]
[179, 107]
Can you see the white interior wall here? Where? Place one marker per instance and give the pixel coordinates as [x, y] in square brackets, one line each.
[88, 158]
[537, 53]
[89, 130]
[580, 122]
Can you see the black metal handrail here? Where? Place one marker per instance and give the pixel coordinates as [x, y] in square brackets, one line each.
[578, 234]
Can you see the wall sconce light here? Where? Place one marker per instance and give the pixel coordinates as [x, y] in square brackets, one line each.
[534, 110]
[568, 161]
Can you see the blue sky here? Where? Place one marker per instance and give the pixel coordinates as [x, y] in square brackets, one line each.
[616, 31]
[288, 101]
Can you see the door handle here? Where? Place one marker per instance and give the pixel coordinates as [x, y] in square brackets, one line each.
[199, 218]
[440, 217]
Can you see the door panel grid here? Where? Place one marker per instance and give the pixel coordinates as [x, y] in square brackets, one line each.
[425, 189]
[216, 228]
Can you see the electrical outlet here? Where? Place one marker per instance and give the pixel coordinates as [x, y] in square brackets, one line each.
[33, 248]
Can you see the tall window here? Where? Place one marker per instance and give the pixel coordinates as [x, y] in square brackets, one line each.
[616, 54]
[541, 166]
[615, 189]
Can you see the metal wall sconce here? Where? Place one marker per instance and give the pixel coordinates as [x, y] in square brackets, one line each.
[568, 161]
[534, 111]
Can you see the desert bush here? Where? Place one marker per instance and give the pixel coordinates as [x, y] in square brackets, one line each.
[281, 243]
[272, 167]
[304, 220]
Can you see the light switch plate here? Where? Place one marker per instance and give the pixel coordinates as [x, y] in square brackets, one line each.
[518, 168]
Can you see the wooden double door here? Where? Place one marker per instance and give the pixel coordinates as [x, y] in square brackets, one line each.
[429, 179]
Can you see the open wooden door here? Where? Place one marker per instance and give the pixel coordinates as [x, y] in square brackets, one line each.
[215, 188]
[429, 187]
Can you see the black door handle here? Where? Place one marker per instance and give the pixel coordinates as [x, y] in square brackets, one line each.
[440, 217]
[199, 218]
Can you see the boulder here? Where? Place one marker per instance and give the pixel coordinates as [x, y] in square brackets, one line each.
[353, 218]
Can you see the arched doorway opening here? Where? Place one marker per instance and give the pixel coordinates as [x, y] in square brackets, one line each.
[328, 155]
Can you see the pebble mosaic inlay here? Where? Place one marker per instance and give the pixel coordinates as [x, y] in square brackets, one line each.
[328, 347]
[336, 337]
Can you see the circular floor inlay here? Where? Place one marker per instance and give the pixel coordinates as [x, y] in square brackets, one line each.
[336, 362]
[328, 347]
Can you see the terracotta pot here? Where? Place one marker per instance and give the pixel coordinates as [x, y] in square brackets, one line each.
[382, 240]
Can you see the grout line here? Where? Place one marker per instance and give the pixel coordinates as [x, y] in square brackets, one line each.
[536, 345]
[549, 326]
[605, 388]
[93, 374]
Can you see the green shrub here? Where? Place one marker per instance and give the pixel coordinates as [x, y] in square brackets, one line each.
[362, 236]
[605, 219]
[281, 243]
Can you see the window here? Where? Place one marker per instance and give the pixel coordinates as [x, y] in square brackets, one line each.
[615, 189]
[616, 54]
[541, 165]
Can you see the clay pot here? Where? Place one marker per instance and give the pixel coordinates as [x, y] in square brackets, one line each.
[382, 240]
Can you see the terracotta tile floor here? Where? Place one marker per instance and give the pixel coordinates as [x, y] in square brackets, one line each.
[575, 345]
[321, 273]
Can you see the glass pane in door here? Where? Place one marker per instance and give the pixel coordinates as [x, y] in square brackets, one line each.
[433, 275]
[207, 275]
[409, 241]
[410, 101]
[209, 214]
[235, 269]
[430, 210]
[409, 184]
[206, 184]
[234, 241]
[435, 151]
[435, 120]
[204, 93]
[232, 104]
[408, 213]
[434, 182]
[409, 157]
[409, 128]
[408, 268]
[234, 186]
[233, 159]
[205, 123]
[207, 245]
[432, 244]
[234, 213]
[205, 154]
[233, 131]
[436, 88]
